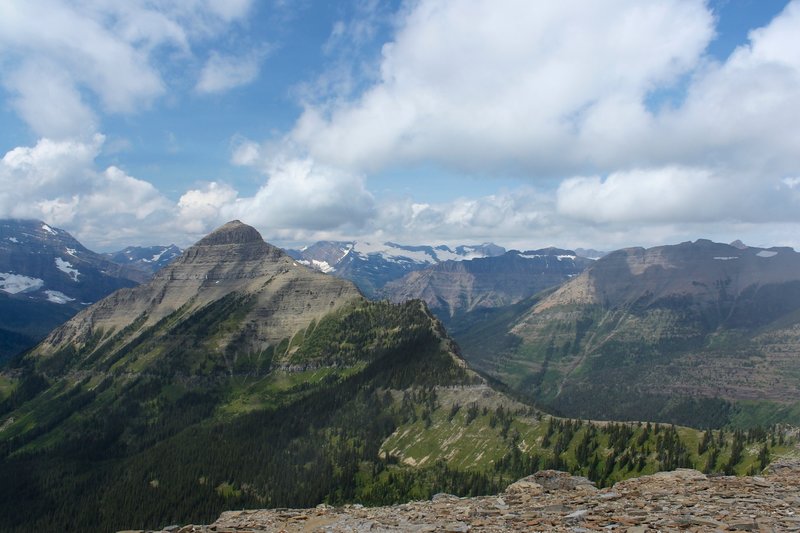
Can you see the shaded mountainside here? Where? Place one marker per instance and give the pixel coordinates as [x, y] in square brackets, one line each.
[452, 288]
[46, 276]
[697, 333]
[370, 266]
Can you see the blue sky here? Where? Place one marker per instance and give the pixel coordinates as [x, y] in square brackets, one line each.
[595, 124]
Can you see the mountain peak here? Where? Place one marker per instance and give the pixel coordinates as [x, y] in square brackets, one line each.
[233, 232]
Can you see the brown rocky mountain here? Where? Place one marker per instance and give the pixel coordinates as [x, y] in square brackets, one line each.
[453, 287]
[699, 333]
[232, 259]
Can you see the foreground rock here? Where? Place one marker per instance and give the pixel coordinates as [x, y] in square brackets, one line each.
[683, 500]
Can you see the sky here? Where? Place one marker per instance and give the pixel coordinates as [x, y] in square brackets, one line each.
[525, 123]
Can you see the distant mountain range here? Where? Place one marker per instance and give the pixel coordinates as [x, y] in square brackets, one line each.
[451, 287]
[371, 266]
[698, 333]
[148, 259]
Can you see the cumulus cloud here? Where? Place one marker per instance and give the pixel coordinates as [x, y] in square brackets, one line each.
[302, 195]
[60, 182]
[58, 57]
[57, 181]
[562, 90]
[742, 113]
[648, 195]
[509, 216]
[482, 84]
[200, 210]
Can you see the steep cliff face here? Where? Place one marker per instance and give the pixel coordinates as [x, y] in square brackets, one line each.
[282, 296]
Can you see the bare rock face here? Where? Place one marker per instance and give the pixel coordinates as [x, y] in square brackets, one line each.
[683, 500]
[232, 259]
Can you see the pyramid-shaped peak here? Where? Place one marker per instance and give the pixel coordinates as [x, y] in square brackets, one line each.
[233, 232]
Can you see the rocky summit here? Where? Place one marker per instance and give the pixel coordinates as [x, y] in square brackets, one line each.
[681, 500]
[234, 258]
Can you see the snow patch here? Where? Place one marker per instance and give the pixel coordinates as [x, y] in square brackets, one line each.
[393, 254]
[449, 255]
[66, 268]
[156, 257]
[725, 258]
[322, 266]
[13, 239]
[16, 283]
[72, 251]
[558, 257]
[49, 230]
[766, 253]
[58, 297]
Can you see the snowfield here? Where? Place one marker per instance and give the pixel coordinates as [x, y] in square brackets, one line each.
[58, 297]
[16, 283]
[66, 268]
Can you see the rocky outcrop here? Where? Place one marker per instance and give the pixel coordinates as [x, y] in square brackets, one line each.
[682, 500]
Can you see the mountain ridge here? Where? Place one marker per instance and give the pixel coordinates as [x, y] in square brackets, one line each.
[688, 325]
[453, 287]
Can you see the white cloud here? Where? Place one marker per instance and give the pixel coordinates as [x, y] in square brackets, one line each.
[482, 84]
[742, 113]
[650, 195]
[224, 72]
[301, 195]
[561, 90]
[48, 101]
[199, 210]
[59, 57]
[245, 152]
[57, 181]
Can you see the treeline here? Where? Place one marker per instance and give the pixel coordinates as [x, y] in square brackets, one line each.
[609, 452]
